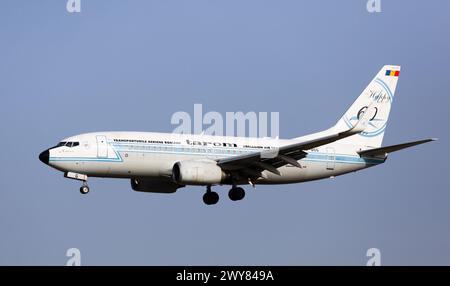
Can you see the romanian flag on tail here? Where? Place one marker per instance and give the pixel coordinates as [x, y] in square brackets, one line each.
[392, 73]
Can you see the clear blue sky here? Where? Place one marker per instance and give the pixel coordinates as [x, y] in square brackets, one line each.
[129, 65]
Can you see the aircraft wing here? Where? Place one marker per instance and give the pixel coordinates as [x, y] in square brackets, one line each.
[251, 165]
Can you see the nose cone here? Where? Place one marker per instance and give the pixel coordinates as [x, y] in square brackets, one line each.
[44, 156]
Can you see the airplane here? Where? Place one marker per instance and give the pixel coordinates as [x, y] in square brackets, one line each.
[165, 162]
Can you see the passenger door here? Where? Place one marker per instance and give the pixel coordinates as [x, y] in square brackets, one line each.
[102, 147]
[331, 158]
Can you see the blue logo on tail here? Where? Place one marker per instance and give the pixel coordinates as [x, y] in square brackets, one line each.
[376, 125]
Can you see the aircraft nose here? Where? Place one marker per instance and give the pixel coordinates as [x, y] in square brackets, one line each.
[44, 156]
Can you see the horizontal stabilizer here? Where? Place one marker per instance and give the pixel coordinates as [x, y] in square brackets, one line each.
[382, 151]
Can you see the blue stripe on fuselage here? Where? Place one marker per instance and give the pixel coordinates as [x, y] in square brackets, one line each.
[315, 156]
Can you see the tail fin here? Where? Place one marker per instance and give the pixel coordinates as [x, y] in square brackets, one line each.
[376, 98]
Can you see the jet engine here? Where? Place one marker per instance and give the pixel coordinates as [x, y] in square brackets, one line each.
[197, 173]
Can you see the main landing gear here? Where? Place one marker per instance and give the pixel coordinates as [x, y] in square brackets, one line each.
[236, 193]
[211, 198]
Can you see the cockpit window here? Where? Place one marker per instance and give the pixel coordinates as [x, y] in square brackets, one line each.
[68, 144]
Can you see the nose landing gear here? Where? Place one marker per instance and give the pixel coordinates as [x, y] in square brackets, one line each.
[84, 189]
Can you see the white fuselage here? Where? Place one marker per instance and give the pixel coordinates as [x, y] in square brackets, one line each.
[165, 162]
[153, 155]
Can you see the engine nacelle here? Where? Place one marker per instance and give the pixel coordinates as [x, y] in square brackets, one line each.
[197, 173]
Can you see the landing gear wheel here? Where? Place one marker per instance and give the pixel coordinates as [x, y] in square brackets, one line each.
[84, 190]
[236, 194]
[210, 198]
